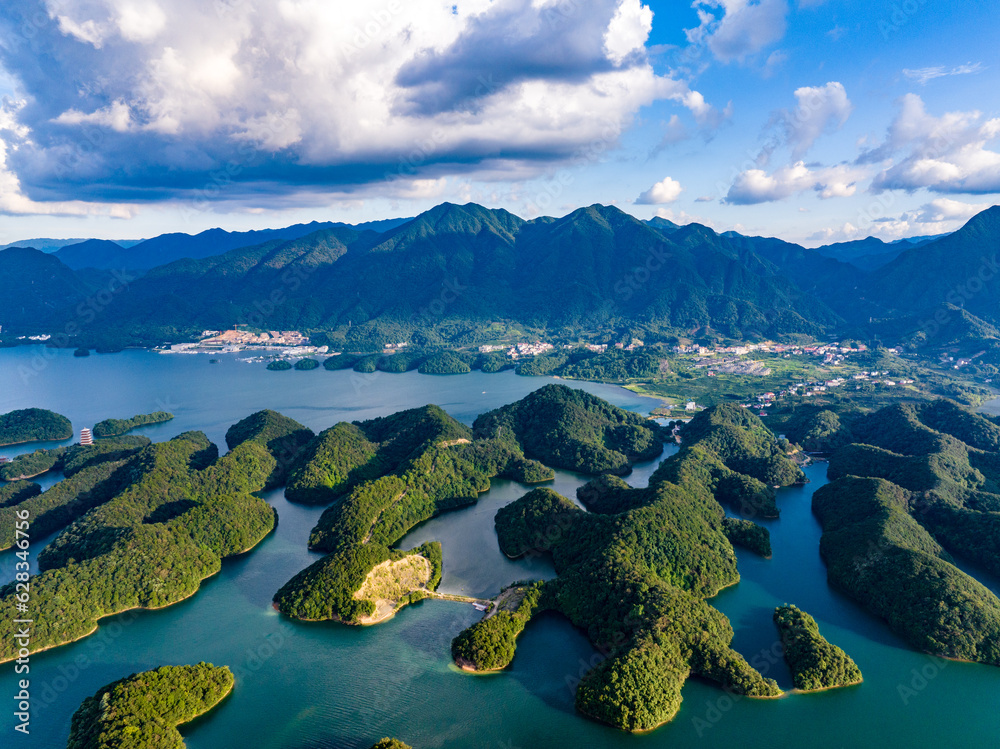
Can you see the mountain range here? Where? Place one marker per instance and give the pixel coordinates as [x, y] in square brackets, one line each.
[458, 275]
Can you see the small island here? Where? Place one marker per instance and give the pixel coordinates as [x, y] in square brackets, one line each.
[142, 711]
[306, 365]
[279, 365]
[815, 663]
[489, 644]
[749, 535]
[118, 427]
[388, 743]
[33, 425]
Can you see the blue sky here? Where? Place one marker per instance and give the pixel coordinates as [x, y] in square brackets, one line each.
[812, 120]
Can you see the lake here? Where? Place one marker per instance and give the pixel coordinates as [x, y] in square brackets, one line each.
[309, 686]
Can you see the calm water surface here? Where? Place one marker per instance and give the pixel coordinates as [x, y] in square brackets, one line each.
[305, 686]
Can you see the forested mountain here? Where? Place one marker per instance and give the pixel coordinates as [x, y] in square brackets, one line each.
[961, 269]
[36, 286]
[166, 248]
[458, 275]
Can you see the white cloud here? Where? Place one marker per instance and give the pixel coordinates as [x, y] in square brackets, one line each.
[681, 218]
[140, 20]
[820, 109]
[666, 190]
[352, 86]
[923, 75]
[757, 186]
[13, 201]
[744, 29]
[117, 116]
[774, 61]
[939, 216]
[946, 209]
[944, 154]
[628, 30]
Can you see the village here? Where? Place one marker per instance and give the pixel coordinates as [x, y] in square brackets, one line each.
[288, 342]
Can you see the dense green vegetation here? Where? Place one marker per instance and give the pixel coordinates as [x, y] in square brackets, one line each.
[489, 644]
[177, 510]
[332, 463]
[591, 275]
[364, 290]
[815, 663]
[33, 425]
[496, 361]
[340, 361]
[71, 459]
[749, 535]
[279, 365]
[880, 555]
[634, 571]
[142, 711]
[381, 477]
[567, 428]
[118, 427]
[92, 478]
[305, 365]
[326, 590]
[445, 363]
[18, 491]
[284, 438]
[33, 464]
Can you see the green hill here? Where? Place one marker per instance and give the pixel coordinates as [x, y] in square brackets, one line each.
[169, 516]
[568, 428]
[33, 425]
[815, 663]
[383, 477]
[142, 711]
[920, 484]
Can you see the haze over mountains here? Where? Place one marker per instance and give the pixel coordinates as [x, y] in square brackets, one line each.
[462, 274]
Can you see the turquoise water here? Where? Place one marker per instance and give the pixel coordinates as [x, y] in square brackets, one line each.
[306, 686]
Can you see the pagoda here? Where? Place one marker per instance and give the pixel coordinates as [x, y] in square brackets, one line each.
[86, 438]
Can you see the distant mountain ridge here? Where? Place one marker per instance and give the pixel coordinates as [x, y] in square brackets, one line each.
[456, 275]
[166, 248]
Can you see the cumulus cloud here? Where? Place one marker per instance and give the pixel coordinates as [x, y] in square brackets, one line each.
[744, 29]
[757, 186]
[152, 100]
[13, 201]
[117, 116]
[666, 190]
[820, 109]
[947, 154]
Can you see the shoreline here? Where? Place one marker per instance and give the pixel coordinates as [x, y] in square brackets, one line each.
[97, 624]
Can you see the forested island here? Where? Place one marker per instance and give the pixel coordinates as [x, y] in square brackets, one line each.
[69, 460]
[911, 486]
[634, 571]
[489, 644]
[92, 477]
[33, 425]
[143, 523]
[815, 663]
[143, 711]
[118, 427]
[143, 532]
[382, 477]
